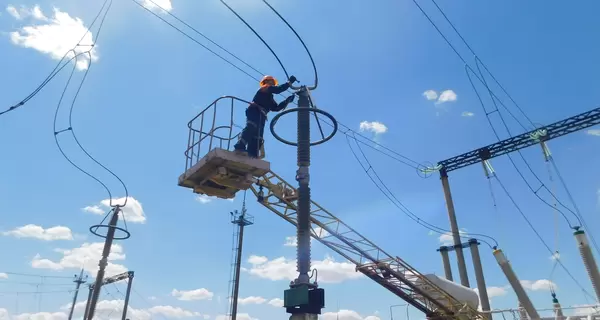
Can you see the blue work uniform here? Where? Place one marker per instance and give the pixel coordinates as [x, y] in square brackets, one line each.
[256, 117]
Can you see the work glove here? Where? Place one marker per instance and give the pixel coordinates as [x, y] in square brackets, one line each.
[292, 79]
[290, 99]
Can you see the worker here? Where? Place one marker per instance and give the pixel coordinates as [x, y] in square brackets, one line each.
[256, 114]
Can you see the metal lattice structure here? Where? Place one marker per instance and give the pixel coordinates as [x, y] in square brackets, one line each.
[390, 272]
[555, 130]
[210, 161]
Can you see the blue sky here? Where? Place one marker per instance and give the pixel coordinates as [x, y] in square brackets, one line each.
[377, 63]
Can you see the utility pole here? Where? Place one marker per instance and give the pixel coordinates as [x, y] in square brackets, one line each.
[79, 281]
[130, 275]
[481, 287]
[109, 238]
[241, 220]
[446, 262]
[460, 256]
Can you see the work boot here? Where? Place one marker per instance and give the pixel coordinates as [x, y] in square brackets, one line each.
[239, 147]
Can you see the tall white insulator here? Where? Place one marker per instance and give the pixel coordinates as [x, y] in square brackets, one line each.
[588, 260]
[515, 284]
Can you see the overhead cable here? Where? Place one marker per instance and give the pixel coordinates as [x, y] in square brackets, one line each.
[70, 126]
[390, 195]
[58, 66]
[538, 235]
[371, 143]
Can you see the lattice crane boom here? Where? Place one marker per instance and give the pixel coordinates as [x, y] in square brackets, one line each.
[390, 272]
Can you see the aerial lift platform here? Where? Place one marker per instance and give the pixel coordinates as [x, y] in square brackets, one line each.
[214, 169]
[220, 172]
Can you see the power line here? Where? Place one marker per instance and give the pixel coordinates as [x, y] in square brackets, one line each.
[396, 156]
[34, 275]
[464, 61]
[70, 119]
[390, 195]
[494, 98]
[514, 202]
[484, 66]
[58, 66]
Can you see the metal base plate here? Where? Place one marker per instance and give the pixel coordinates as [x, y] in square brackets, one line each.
[223, 173]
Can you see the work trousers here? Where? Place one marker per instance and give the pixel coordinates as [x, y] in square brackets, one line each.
[252, 135]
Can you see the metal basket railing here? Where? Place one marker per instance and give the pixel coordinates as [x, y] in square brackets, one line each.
[211, 129]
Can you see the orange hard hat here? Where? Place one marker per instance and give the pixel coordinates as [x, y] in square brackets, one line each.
[265, 78]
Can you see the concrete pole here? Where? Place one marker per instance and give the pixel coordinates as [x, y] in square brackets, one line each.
[127, 294]
[481, 287]
[588, 260]
[110, 235]
[446, 262]
[79, 280]
[515, 284]
[460, 257]
[87, 304]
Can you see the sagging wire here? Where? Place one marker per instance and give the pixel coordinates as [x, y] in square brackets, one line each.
[275, 55]
[535, 192]
[194, 40]
[70, 126]
[484, 66]
[390, 195]
[287, 76]
[572, 199]
[463, 59]
[312, 61]
[58, 66]
[371, 143]
[538, 235]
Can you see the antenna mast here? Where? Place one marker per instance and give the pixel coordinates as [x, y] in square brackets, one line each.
[240, 220]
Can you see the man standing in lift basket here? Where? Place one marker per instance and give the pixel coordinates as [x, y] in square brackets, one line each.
[256, 114]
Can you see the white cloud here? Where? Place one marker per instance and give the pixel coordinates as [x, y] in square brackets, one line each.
[204, 199]
[197, 294]
[13, 12]
[586, 309]
[446, 238]
[495, 291]
[375, 127]
[3, 275]
[173, 312]
[594, 132]
[281, 268]
[467, 114]
[56, 36]
[538, 285]
[41, 316]
[240, 316]
[132, 212]
[112, 309]
[447, 96]
[165, 4]
[430, 95]
[94, 210]
[345, 315]
[86, 256]
[37, 232]
[23, 12]
[251, 300]
[276, 302]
